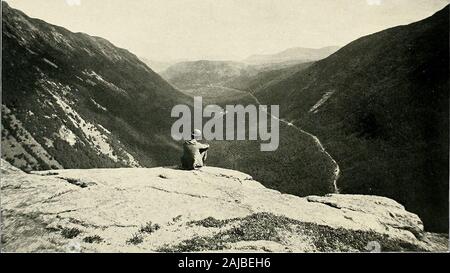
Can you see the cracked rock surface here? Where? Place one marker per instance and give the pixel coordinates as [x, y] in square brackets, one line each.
[212, 209]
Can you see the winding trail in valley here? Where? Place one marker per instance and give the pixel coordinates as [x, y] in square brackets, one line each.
[336, 171]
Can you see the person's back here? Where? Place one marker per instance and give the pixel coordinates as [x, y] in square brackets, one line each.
[194, 152]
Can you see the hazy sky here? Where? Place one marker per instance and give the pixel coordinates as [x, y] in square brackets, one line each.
[226, 29]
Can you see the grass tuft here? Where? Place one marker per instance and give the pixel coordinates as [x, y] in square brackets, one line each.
[135, 239]
[270, 227]
[93, 239]
[149, 228]
[70, 233]
[209, 222]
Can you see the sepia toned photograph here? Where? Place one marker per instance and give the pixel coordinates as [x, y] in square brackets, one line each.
[225, 126]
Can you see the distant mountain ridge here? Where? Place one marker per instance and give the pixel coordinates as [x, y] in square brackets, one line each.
[293, 54]
[188, 75]
[192, 74]
[157, 66]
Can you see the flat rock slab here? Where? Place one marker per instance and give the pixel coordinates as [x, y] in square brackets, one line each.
[212, 209]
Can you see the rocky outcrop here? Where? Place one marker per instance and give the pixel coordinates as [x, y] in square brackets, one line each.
[212, 209]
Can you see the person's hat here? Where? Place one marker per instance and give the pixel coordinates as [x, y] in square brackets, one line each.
[197, 133]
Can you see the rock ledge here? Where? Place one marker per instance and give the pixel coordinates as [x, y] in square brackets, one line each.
[213, 209]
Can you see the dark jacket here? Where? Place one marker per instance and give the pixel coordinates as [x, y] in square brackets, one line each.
[192, 157]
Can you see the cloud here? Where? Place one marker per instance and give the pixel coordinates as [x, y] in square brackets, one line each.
[374, 2]
[73, 2]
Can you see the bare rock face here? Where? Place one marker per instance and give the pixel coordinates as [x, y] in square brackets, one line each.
[212, 209]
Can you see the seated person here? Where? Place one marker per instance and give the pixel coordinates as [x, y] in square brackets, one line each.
[194, 153]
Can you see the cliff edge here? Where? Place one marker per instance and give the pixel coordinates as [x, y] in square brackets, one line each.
[212, 209]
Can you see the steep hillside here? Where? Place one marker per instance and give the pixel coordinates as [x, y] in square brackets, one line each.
[292, 54]
[71, 100]
[380, 106]
[170, 210]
